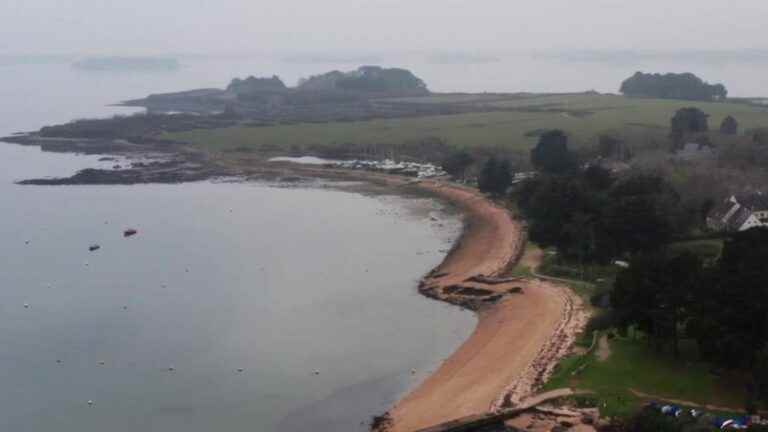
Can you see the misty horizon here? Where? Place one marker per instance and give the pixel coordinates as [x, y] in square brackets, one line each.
[343, 26]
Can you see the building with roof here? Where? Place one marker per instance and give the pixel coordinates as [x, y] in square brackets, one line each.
[740, 213]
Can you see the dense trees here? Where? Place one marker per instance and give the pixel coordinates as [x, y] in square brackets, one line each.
[590, 216]
[252, 85]
[723, 306]
[495, 176]
[653, 294]
[640, 214]
[729, 126]
[611, 147]
[672, 86]
[457, 163]
[368, 79]
[551, 154]
[687, 121]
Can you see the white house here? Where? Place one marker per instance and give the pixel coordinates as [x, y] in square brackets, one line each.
[740, 213]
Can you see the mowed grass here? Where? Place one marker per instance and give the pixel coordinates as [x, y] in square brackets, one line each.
[583, 116]
[708, 249]
[633, 364]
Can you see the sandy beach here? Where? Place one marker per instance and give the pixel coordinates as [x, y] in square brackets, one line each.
[517, 340]
[525, 325]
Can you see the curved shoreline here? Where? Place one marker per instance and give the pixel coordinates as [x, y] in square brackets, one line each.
[518, 339]
[525, 326]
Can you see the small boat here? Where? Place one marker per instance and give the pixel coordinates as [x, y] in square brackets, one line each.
[94, 247]
[129, 232]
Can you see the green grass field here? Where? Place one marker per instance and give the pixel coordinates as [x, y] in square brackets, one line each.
[506, 130]
[709, 250]
[633, 364]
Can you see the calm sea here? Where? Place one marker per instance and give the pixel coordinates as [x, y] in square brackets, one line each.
[219, 313]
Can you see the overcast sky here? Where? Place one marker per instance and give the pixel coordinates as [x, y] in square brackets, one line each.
[231, 26]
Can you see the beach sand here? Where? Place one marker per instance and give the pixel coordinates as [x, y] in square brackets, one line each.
[516, 340]
[519, 337]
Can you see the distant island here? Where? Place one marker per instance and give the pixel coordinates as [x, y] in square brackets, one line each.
[127, 64]
[332, 96]
[368, 78]
[686, 86]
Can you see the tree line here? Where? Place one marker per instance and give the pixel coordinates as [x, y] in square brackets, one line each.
[672, 86]
[723, 306]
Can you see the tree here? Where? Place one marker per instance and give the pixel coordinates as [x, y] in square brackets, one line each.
[254, 85]
[551, 154]
[683, 275]
[672, 86]
[640, 213]
[654, 292]
[729, 126]
[732, 322]
[611, 147]
[456, 164]
[495, 176]
[598, 178]
[687, 121]
[368, 79]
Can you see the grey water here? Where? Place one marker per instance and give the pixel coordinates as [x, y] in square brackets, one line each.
[237, 307]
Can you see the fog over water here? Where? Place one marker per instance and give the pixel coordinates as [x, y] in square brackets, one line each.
[146, 26]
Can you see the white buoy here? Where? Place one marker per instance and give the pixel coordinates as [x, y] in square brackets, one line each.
[90, 403]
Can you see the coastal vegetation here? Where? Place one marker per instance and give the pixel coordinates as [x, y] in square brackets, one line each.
[672, 86]
[252, 85]
[508, 126]
[368, 79]
[699, 300]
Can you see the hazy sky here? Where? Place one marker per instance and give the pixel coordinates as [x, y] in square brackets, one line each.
[207, 26]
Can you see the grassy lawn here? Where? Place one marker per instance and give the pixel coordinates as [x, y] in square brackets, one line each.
[494, 129]
[709, 249]
[634, 365]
